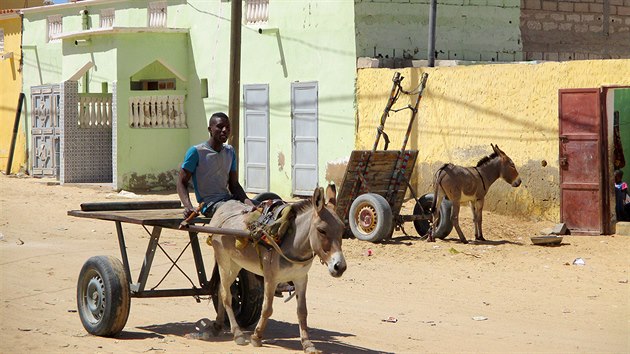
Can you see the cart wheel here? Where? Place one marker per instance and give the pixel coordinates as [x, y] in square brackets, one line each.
[247, 299]
[103, 297]
[371, 218]
[423, 226]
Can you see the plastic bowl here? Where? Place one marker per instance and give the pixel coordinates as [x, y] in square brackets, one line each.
[546, 240]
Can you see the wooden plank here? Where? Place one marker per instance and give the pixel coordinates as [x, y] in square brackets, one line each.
[159, 217]
[169, 218]
[131, 205]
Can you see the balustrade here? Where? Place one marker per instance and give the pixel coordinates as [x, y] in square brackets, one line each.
[95, 110]
[157, 112]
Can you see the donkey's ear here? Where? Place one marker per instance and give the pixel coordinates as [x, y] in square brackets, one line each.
[331, 194]
[496, 149]
[318, 199]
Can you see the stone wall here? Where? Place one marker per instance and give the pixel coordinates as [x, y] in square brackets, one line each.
[562, 30]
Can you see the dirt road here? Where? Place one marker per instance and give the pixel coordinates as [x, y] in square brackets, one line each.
[505, 295]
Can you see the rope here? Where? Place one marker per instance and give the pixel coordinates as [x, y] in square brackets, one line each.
[272, 242]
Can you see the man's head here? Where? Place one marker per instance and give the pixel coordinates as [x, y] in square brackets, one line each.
[618, 176]
[219, 127]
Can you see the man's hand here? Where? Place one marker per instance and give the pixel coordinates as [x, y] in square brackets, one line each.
[188, 211]
[249, 202]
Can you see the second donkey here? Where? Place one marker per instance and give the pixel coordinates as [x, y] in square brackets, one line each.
[470, 184]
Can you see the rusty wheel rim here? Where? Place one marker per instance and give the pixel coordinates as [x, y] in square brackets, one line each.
[366, 218]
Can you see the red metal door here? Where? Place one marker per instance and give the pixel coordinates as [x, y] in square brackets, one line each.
[581, 156]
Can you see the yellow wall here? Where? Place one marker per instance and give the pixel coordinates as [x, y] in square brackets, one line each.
[466, 108]
[10, 88]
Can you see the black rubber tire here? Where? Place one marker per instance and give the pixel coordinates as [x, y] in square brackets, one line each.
[378, 219]
[247, 299]
[423, 226]
[265, 196]
[103, 297]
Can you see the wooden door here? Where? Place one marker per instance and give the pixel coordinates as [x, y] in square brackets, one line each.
[581, 156]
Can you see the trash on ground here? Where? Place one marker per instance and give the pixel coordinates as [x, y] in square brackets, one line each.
[559, 229]
[579, 261]
[369, 252]
[390, 319]
[454, 251]
[203, 324]
[124, 194]
[480, 318]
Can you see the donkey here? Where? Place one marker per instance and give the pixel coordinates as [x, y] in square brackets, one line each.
[317, 231]
[470, 184]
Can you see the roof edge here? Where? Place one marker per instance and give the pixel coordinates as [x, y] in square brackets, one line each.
[121, 30]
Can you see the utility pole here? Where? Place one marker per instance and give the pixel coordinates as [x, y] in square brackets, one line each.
[235, 72]
[432, 16]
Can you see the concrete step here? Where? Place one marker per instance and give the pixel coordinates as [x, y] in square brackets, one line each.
[623, 228]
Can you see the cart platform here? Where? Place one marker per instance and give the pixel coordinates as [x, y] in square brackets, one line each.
[383, 172]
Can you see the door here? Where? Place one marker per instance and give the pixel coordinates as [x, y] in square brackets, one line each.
[581, 161]
[45, 130]
[256, 117]
[304, 137]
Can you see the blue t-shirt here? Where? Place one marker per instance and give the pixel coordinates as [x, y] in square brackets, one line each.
[210, 171]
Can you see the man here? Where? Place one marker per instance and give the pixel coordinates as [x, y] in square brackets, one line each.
[212, 167]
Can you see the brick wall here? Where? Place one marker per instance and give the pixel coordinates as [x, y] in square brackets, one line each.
[561, 30]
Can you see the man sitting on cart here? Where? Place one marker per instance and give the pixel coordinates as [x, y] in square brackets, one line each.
[212, 167]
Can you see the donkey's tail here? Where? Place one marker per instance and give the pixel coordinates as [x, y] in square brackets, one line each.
[437, 180]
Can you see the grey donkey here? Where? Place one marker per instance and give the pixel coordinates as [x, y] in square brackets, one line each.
[470, 184]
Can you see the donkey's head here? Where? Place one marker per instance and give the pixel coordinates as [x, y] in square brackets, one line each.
[325, 234]
[508, 171]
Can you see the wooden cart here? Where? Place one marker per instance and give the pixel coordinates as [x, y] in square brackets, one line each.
[376, 182]
[105, 286]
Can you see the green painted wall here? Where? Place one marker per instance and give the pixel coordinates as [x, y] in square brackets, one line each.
[480, 30]
[317, 41]
[144, 156]
[622, 104]
[147, 155]
[315, 45]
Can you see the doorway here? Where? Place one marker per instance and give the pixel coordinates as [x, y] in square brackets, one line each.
[45, 131]
[586, 121]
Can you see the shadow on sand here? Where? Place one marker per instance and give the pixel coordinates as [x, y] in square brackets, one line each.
[278, 334]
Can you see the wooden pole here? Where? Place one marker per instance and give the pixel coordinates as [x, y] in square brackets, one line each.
[16, 125]
[235, 72]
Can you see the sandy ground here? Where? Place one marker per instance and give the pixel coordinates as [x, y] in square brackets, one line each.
[505, 295]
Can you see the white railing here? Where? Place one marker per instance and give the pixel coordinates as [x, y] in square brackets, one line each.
[257, 12]
[95, 110]
[107, 18]
[157, 112]
[55, 26]
[157, 14]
